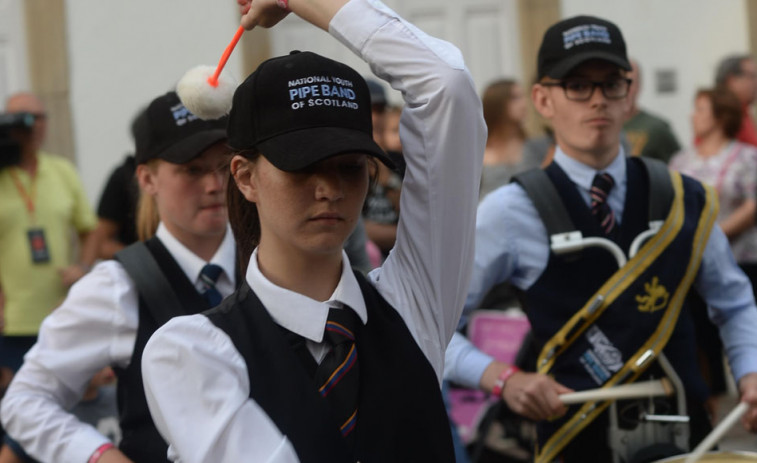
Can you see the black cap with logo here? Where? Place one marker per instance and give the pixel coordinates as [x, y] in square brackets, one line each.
[302, 108]
[574, 40]
[167, 130]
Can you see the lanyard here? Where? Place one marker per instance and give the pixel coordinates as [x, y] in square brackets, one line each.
[28, 197]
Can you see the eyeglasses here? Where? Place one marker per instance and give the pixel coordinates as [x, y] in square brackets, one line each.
[577, 89]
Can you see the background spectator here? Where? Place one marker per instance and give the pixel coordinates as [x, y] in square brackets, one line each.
[647, 134]
[730, 167]
[381, 208]
[41, 202]
[505, 107]
[738, 73]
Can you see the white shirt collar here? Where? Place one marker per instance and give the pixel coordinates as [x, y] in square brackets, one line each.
[301, 314]
[583, 175]
[191, 263]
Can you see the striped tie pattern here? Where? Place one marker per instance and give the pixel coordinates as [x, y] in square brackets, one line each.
[208, 277]
[600, 188]
[337, 376]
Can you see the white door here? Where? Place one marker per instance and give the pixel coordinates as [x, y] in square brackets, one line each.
[13, 70]
[486, 31]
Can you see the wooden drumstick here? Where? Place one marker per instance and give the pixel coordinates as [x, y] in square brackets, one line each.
[658, 387]
[716, 434]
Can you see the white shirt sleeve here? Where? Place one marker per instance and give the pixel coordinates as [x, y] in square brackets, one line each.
[94, 327]
[443, 135]
[198, 394]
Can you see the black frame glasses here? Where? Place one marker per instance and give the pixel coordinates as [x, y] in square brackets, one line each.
[577, 89]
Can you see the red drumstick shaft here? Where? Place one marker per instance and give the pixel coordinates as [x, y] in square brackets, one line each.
[213, 80]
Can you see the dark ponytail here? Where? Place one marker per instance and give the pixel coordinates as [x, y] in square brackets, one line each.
[243, 217]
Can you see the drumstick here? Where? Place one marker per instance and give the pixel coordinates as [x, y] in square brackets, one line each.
[625, 391]
[205, 91]
[716, 434]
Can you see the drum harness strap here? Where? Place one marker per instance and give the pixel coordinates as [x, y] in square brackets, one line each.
[666, 217]
[151, 283]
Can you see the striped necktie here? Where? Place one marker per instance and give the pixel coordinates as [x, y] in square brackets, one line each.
[337, 376]
[208, 277]
[600, 188]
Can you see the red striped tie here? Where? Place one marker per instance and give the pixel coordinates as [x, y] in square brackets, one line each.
[337, 376]
[600, 188]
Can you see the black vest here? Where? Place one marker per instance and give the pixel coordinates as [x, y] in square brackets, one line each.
[569, 281]
[141, 441]
[401, 415]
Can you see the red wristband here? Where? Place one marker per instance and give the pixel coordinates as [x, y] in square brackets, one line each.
[284, 4]
[99, 452]
[499, 385]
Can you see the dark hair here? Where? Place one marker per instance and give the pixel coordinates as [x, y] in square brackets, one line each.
[243, 217]
[496, 100]
[726, 109]
[729, 66]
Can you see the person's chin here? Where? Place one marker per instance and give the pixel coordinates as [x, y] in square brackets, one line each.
[214, 227]
[328, 243]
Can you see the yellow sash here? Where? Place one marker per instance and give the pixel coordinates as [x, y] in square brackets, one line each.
[609, 292]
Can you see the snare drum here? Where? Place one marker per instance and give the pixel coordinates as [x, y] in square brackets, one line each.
[720, 457]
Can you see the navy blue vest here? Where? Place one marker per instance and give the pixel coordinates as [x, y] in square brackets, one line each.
[401, 415]
[569, 281]
[141, 441]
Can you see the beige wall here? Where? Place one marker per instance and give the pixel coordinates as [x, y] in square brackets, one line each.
[751, 8]
[535, 17]
[48, 69]
[256, 48]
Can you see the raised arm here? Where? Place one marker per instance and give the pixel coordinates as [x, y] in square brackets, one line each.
[426, 276]
[267, 13]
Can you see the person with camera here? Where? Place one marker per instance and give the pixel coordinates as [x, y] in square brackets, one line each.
[42, 201]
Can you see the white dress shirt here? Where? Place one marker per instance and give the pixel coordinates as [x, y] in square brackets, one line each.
[197, 383]
[95, 327]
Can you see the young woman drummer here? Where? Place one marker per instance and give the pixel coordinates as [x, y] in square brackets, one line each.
[106, 318]
[246, 382]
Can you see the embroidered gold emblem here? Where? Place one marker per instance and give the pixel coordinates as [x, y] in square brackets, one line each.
[656, 297]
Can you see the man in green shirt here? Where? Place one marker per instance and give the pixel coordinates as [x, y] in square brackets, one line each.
[42, 202]
[647, 134]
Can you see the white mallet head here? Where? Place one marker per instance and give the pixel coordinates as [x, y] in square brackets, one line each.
[203, 99]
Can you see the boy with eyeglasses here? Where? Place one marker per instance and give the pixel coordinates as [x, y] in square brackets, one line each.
[596, 321]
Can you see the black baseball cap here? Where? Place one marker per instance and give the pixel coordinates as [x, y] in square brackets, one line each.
[302, 108]
[572, 41]
[167, 130]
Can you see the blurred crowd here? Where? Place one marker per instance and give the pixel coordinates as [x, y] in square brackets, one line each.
[45, 214]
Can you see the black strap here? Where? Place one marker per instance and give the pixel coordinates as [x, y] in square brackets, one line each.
[661, 192]
[555, 217]
[547, 201]
[152, 285]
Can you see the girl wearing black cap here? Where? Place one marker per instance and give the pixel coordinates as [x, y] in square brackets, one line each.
[309, 361]
[110, 313]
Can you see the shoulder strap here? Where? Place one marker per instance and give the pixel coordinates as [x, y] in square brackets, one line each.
[152, 284]
[547, 201]
[660, 188]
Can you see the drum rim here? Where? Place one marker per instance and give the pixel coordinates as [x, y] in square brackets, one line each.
[682, 457]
